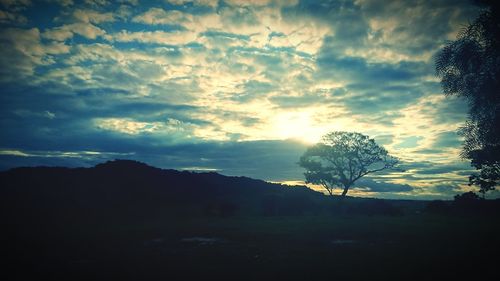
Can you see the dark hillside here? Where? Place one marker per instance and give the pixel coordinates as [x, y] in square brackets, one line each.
[135, 190]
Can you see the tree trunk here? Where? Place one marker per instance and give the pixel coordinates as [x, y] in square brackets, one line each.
[346, 188]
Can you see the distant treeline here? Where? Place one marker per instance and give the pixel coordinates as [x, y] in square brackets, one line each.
[133, 191]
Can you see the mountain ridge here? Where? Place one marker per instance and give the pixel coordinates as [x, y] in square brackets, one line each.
[121, 185]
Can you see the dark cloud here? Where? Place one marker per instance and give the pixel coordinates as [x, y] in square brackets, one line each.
[450, 111]
[448, 139]
[359, 70]
[436, 169]
[225, 35]
[420, 25]
[447, 190]
[379, 186]
[428, 151]
[349, 24]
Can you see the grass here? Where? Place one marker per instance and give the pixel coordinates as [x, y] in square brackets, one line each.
[265, 248]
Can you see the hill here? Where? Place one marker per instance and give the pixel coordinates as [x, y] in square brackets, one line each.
[132, 189]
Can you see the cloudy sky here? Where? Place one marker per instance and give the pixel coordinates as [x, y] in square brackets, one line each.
[237, 87]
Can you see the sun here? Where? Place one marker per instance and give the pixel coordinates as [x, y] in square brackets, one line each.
[297, 125]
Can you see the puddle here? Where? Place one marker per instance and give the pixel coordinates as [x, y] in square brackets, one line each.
[201, 240]
[343, 241]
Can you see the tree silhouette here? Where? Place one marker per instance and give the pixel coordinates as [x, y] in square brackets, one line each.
[469, 67]
[341, 158]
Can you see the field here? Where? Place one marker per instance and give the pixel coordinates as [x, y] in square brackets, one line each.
[357, 247]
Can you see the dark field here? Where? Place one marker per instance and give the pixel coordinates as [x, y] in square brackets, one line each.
[424, 247]
[124, 220]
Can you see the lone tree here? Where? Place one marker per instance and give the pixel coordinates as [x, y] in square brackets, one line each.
[341, 158]
[469, 67]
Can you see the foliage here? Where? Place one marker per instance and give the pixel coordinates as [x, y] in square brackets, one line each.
[469, 202]
[469, 67]
[467, 197]
[342, 158]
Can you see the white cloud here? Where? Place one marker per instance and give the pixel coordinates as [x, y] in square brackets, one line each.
[65, 32]
[63, 154]
[127, 126]
[58, 34]
[90, 16]
[88, 31]
[23, 51]
[244, 3]
[133, 127]
[160, 16]
[14, 153]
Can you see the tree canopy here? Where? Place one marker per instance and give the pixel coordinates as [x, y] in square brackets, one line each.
[341, 158]
[469, 67]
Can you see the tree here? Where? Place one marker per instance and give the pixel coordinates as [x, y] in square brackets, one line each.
[469, 67]
[341, 158]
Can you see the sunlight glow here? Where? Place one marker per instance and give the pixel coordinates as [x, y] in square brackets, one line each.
[297, 125]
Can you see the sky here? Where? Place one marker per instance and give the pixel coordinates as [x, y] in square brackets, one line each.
[237, 87]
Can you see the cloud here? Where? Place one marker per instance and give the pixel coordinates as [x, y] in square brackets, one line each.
[8, 17]
[156, 37]
[170, 126]
[64, 3]
[253, 89]
[417, 29]
[409, 142]
[160, 16]
[127, 126]
[16, 5]
[447, 139]
[383, 139]
[90, 16]
[379, 186]
[208, 3]
[56, 158]
[243, 3]
[303, 100]
[24, 51]
[96, 3]
[65, 32]
[434, 169]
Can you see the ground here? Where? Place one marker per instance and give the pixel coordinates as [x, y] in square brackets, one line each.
[346, 247]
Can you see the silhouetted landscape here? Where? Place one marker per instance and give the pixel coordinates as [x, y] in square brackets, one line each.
[126, 220]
